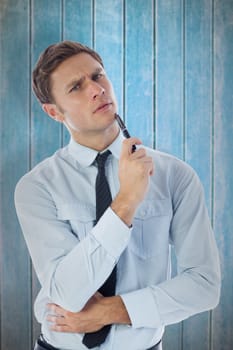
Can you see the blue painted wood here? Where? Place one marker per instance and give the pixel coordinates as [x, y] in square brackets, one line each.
[77, 21]
[198, 90]
[78, 17]
[198, 127]
[46, 134]
[159, 56]
[223, 168]
[46, 29]
[169, 77]
[169, 102]
[108, 41]
[139, 70]
[15, 303]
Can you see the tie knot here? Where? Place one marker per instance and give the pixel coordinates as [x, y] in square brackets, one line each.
[101, 158]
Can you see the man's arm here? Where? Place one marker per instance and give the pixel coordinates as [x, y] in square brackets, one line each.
[98, 312]
[58, 255]
[65, 265]
[196, 288]
[135, 170]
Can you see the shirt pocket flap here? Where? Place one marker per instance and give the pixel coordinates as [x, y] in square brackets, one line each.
[76, 211]
[151, 228]
[151, 208]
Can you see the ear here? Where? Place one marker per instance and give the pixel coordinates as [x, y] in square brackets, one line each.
[52, 111]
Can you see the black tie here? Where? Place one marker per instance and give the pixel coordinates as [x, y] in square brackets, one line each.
[103, 200]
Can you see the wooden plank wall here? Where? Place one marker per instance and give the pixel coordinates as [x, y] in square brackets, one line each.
[171, 65]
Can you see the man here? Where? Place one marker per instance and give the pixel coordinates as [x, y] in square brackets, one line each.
[156, 201]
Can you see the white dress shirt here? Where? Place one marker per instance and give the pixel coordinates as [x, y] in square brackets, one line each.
[55, 204]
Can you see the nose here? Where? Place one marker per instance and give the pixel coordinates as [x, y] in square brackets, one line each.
[96, 89]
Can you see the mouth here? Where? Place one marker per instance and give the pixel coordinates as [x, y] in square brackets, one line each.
[103, 107]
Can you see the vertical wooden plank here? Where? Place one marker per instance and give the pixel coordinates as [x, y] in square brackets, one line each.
[198, 89]
[45, 133]
[78, 21]
[46, 30]
[14, 261]
[77, 26]
[139, 69]
[108, 42]
[169, 76]
[198, 127]
[49, 25]
[169, 103]
[223, 169]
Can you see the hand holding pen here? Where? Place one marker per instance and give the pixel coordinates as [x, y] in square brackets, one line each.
[126, 133]
[124, 129]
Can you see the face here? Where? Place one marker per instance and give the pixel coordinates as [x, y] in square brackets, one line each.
[84, 98]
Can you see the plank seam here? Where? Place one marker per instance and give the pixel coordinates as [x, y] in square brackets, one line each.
[212, 155]
[30, 154]
[124, 59]
[154, 125]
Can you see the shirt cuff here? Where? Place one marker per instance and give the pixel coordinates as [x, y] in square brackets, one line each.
[142, 309]
[112, 233]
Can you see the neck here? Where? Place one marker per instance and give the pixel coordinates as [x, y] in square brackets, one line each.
[98, 141]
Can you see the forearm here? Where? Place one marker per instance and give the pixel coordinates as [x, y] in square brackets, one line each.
[97, 313]
[114, 311]
[94, 257]
[174, 300]
[151, 307]
[70, 268]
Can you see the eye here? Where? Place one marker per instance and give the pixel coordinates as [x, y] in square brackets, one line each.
[75, 87]
[97, 76]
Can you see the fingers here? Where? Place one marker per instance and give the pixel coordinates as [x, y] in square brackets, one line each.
[146, 161]
[86, 320]
[140, 152]
[57, 319]
[57, 310]
[128, 144]
[58, 324]
[98, 296]
[62, 328]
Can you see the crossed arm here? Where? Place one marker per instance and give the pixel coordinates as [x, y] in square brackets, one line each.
[98, 312]
[196, 288]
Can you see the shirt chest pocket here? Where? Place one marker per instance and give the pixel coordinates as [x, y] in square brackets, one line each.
[150, 235]
[80, 217]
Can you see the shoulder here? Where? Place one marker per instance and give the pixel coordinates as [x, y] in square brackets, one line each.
[173, 172]
[168, 162]
[42, 173]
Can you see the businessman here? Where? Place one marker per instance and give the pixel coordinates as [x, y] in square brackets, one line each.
[99, 219]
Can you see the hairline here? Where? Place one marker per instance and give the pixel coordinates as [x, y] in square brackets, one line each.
[43, 92]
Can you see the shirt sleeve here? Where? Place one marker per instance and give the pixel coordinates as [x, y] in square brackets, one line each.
[70, 271]
[196, 287]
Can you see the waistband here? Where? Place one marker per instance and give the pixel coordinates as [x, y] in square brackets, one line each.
[41, 344]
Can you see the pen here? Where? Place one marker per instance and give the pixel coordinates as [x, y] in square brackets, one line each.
[124, 129]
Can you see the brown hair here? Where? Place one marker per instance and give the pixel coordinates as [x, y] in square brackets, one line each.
[49, 60]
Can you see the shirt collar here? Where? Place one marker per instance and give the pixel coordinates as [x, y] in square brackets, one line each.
[86, 156]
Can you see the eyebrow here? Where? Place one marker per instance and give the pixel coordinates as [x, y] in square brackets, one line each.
[73, 82]
[97, 71]
[76, 81]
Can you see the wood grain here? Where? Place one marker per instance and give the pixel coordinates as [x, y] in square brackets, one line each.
[170, 62]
